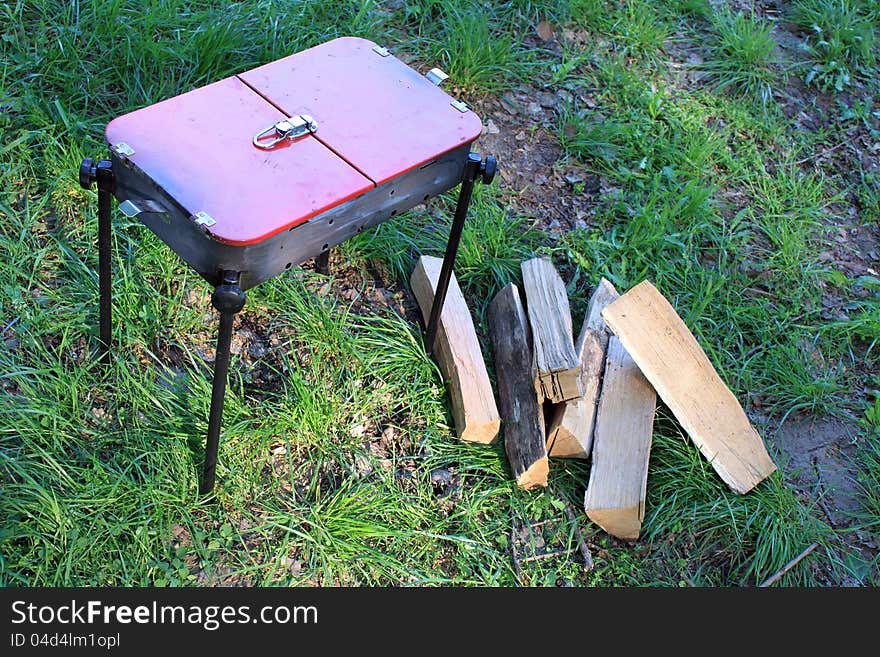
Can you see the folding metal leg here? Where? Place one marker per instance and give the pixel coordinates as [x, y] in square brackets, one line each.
[103, 173]
[228, 299]
[105, 196]
[474, 168]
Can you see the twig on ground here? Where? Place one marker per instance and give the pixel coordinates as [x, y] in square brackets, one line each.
[547, 555]
[821, 494]
[516, 569]
[541, 523]
[582, 544]
[791, 564]
[815, 156]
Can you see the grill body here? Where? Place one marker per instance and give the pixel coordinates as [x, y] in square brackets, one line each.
[253, 174]
[386, 139]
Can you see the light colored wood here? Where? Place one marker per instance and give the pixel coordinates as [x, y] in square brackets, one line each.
[676, 365]
[570, 433]
[556, 371]
[459, 356]
[615, 497]
[522, 415]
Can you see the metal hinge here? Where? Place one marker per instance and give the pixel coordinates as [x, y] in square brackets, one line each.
[289, 128]
[204, 219]
[460, 105]
[436, 76]
[123, 149]
[130, 208]
[382, 52]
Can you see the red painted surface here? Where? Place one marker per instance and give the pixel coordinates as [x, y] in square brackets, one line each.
[377, 119]
[197, 147]
[376, 112]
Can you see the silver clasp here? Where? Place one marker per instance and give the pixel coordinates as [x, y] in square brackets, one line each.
[289, 128]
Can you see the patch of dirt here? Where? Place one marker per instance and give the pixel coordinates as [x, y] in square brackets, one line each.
[368, 289]
[853, 247]
[819, 460]
[519, 130]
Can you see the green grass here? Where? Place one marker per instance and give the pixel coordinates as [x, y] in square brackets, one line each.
[590, 14]
[869, 196]
[863, 322]
[333, 429]
[688, 502]
[675, 222]
[788, 209]
[472, 41]
[741, 56]
[639, 31]
[841, 42]
[699, 9]
[480, 58]
[634, 30]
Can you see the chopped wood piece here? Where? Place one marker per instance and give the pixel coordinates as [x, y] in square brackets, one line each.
[520, 411]
[673, 361]
[459, 356]
[615, 497]
[556, 371]
[571, 428]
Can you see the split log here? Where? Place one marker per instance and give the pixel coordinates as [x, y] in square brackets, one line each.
[570, 434]
[459, 356]
[520, 411]
[556, 371]
[673, 361]
[615, 497]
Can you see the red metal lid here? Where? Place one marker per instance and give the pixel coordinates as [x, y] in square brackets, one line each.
[377, 119]
[380, 115]
[198, 148]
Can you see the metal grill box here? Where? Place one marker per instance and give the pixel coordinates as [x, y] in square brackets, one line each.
[268, 168]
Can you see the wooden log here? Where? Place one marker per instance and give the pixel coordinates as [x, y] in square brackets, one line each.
[673, 361]
[556, 371]
[523, 418]
[459, 356]
[570, 433]
[615, 497]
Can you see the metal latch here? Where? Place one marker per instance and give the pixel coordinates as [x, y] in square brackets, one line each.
[289, 128]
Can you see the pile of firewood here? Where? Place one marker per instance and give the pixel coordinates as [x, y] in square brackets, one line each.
[598, 393]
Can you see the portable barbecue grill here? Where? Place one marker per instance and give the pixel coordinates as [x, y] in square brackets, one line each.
[248, 176]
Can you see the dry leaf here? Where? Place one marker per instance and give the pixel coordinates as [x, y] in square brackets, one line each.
[545, 30]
